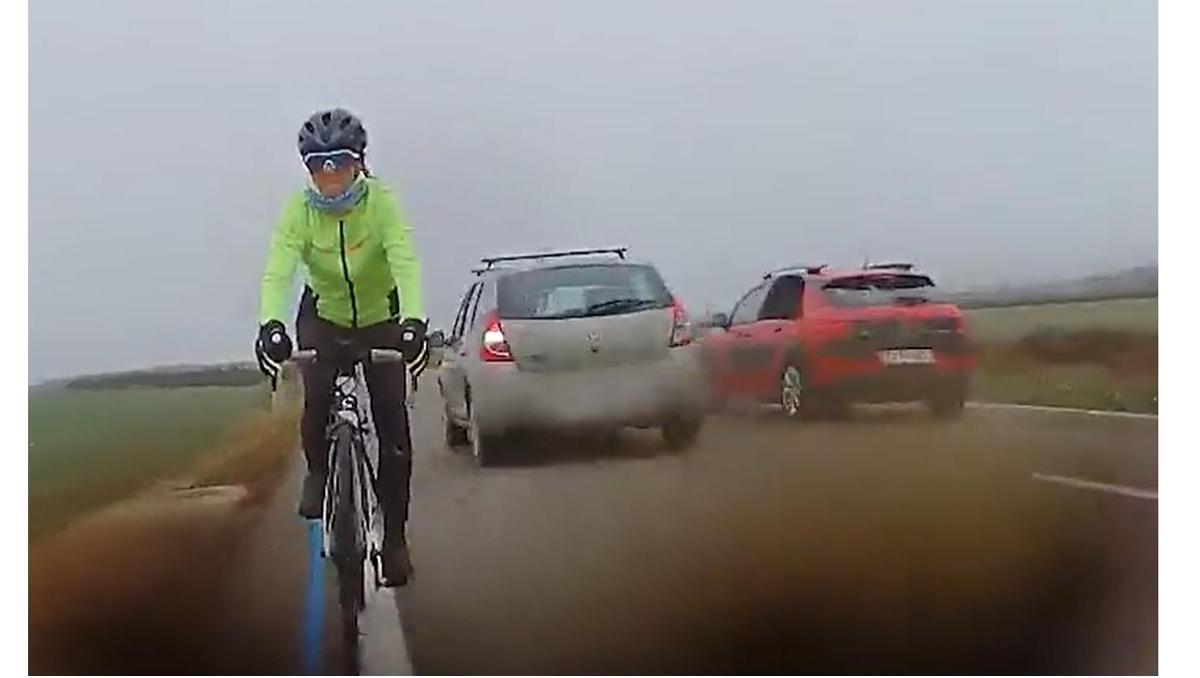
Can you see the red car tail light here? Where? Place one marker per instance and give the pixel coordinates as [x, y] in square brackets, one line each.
[681, 329]
[495, 345]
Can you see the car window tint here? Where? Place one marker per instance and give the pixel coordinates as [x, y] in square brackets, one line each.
[747, 309]
[783, 301]
[475, 304]
[459, 319]
[581, 291]
[878, 290]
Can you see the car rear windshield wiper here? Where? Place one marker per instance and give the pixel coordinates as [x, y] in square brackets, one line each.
[613, 305]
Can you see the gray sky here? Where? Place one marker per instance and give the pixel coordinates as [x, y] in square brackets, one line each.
[983, 139]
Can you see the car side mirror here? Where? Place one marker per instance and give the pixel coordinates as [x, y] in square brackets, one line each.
[437, 339]
[720, 320]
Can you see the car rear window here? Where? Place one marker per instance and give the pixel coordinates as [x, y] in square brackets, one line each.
[879, 290]
[581, 291]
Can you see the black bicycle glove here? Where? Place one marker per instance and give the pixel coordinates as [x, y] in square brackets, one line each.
[414, 344]
[272, 347]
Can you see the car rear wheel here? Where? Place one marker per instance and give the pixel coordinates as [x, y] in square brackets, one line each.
[611, 438]
[829, 405]
[681, 433]
[800, 401]
[947, 406]
[456, 436]
[485, 447]
[718, 403]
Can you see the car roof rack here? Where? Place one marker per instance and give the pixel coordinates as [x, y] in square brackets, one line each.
[807, 268]
[490, 262]
[894, 266]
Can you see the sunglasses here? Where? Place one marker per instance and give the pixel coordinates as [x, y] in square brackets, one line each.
[333, 161]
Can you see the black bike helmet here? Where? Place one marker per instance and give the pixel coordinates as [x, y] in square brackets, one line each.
[333, 130]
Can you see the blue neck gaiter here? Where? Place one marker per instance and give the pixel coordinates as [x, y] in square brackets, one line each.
[338, 203]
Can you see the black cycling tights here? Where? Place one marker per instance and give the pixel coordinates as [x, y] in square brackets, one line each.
[386, 384]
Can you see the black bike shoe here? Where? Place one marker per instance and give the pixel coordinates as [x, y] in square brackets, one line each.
[397, 569]
[312, 496]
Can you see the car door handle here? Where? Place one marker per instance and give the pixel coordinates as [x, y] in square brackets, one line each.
[777, 330]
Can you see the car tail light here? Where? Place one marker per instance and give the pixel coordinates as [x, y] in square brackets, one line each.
[681, 329]
[495, 345]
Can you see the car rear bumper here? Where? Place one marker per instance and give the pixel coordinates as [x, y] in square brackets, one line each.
[869, 381]
[506, 398]
[899, 385]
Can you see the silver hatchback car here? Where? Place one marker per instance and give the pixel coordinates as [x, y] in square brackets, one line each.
[582, 339]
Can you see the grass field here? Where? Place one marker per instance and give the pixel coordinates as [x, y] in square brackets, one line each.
[1086, 387]
[88, 448]
[991, 325]
[1092, 355]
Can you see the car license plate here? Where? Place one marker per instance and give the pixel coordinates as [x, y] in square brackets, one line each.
[907, 356]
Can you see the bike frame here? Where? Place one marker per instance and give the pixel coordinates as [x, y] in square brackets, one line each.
[352, 412]
[350, 420]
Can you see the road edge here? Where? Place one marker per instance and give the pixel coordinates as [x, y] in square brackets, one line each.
[980, 405]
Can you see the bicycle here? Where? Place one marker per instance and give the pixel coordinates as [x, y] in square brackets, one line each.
[352, 522]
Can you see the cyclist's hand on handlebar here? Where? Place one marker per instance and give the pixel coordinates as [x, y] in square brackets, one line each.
[272, 348]
[414, 344]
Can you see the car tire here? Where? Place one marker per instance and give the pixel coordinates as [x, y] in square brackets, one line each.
[718, 404]
[456, 436]
[485, 447]
[681, 432]
[798, 400]
[947, 406]
[829, 405]
[611, 438]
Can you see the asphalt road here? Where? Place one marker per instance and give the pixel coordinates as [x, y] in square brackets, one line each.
[1008, 542]
[889, 544]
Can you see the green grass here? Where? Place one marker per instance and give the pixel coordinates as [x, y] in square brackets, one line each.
[89, 448]
[1005, 324]
[1093, 355]
[1088, 387]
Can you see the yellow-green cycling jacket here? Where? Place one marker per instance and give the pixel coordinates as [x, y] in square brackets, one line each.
[361, 264]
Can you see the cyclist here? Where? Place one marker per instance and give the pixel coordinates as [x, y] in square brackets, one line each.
[363, 277]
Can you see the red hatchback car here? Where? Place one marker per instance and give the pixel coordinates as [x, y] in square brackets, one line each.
[815, 340]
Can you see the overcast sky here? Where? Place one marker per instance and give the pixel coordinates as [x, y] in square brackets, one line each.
[987, 140]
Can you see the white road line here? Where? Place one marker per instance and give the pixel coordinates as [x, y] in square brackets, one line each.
[1099, 487]
[1062, 410]
[383, 648]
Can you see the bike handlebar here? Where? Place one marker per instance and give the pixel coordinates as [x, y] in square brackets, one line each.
[307, 356]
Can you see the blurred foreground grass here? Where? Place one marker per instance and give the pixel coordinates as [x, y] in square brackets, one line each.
[90, 448]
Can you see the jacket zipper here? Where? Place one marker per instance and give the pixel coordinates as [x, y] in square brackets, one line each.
[346, 274]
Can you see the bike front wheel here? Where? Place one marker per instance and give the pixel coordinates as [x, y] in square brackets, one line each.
[348, 549]
[350, 604]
